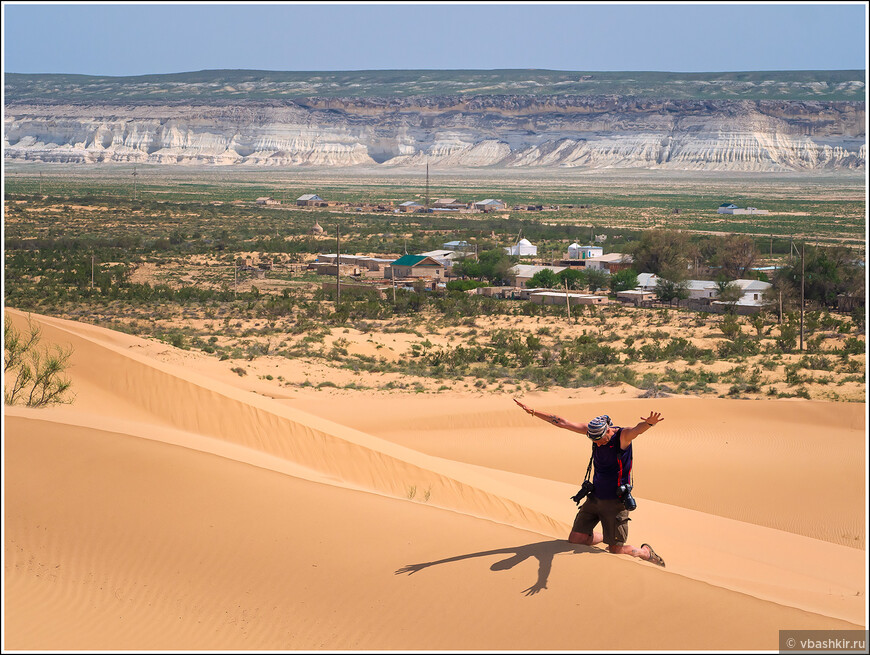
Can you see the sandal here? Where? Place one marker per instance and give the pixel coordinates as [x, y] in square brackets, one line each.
[653, 557]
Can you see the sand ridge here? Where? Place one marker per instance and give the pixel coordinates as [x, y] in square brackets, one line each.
[168, 509]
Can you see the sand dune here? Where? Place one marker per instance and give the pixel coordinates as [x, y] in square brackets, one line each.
[169, 509]
[777, 463]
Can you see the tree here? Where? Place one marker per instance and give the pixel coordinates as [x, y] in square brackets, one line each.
[544, 279]
[623, 280]
[827, 272]
[596, 279]
[36, 373]
[468, 267]
[732, 256]
[668, 290]
[495, 265]
[572, 278]
[667, 253]
[728, 292]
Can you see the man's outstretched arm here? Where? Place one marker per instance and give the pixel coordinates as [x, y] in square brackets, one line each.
[630, 434]
[558, 421]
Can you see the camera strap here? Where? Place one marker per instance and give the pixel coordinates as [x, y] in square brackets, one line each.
[589, 468]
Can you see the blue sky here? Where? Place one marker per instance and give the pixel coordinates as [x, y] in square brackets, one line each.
[138, 39]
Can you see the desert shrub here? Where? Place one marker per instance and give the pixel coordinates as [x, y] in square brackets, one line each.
[730, 326]
[858, 318]
[464, 285]
[787, 339]
[740, 347]
[854, 346]
[587, 351]
[36, 373]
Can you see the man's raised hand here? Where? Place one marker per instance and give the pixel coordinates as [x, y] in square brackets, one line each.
[653, 418]
[526, 409]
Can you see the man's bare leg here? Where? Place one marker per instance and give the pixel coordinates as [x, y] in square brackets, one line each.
[643, 552]
[586, 539]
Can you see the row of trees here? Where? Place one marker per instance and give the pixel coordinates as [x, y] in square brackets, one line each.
[827, 271]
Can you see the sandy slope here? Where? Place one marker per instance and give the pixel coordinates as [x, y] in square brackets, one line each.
[169, 509]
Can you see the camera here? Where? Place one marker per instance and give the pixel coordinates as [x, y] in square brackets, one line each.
[624, 494]
[585, 490]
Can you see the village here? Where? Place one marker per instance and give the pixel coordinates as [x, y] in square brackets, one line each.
[433, 270]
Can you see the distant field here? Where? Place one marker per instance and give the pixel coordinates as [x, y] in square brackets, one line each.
[824, 209]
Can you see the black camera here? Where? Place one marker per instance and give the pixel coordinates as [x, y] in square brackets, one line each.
[624, 494]
[585, 490]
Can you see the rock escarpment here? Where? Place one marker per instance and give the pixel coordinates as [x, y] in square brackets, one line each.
[449, 131]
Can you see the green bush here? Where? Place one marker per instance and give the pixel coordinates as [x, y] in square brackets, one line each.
[34, 375]
[464, 285]
[854, 346]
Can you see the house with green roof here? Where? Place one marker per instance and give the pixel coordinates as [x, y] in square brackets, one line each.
[420, 266]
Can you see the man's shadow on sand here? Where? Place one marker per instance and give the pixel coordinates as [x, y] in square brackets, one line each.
[543, 551]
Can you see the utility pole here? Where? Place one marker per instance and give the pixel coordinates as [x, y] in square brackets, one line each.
[134, 182]
[92, 271]
[567, 300]
[337, 266]
[793, 250]
[803, 245]
[427, 186]
[40, 184]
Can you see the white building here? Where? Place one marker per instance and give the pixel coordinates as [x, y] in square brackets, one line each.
[410, 206]
[731, 208]
[647, 281]
[524, 248]
[490, 204]
[576, 251]
[752, 293]
[445, 257]
[700, 289]
[609, 263]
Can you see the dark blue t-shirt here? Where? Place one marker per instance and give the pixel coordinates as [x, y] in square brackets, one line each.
[612, 467]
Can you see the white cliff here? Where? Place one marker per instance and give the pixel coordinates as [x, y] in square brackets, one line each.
[492, 132]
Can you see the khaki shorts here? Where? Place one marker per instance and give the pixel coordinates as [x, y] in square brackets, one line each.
[612, 515]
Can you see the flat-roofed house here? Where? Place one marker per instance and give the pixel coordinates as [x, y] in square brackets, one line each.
[449, 203]
[635, 296]
[415, 266]
[552, 297]
[265, 200]
[576, 251]
[731, 208]
[610, 263]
